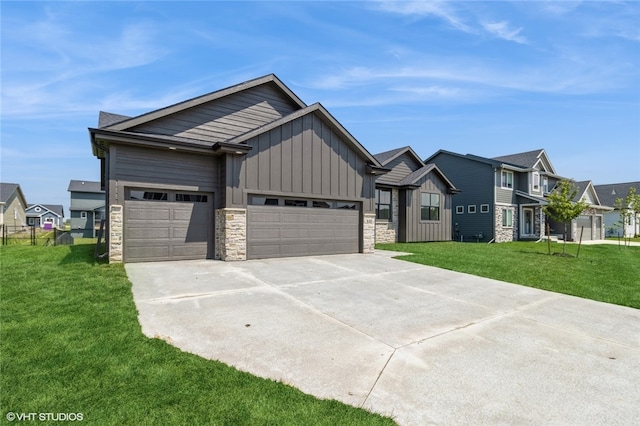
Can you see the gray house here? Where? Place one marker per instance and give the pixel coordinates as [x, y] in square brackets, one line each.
[502, 197]
[246, 172]
[87, 208]
[45, 215]
[413, 200]
[13, 207]
[608, 194]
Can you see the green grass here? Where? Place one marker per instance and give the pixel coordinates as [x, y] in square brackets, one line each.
[606, 273]
[71, 343]
[622, 240]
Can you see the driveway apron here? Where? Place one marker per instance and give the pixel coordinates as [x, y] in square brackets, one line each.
[419, 344]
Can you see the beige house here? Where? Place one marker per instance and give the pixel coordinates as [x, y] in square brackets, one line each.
[12, 207]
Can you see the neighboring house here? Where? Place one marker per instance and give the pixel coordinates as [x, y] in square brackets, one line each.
[47, 216]
[502, 198]
[86, 209]
[608, 194]
[12, 207]
[246, 172]
[413, 200]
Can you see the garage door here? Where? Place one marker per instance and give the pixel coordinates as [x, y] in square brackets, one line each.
[281, 231]
[584, 221]
[167, 225]
[598, 228]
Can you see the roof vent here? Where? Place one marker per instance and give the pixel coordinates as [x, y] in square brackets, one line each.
[613, 191]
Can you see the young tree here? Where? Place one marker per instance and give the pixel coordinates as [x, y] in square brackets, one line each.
[629, 207]
[562, 206]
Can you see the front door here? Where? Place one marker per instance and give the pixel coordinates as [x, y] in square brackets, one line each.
[528, 222]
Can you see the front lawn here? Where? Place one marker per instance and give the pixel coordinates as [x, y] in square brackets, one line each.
[70, 343]
[606, 273]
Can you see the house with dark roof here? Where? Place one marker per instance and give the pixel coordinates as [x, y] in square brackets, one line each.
[246, 172]
[502, 198]
[608, 195]
[47, 216]
[413, 200]
[87, 208]
[12, 207]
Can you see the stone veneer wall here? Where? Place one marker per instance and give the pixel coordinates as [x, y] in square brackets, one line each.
[369, 229]
[231, 234]
[387, 231]
[115, 233]
[503, 234]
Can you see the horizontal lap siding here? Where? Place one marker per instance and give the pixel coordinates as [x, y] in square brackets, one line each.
[400, 167]
[302, 157]
[151, 168]
[224, 118]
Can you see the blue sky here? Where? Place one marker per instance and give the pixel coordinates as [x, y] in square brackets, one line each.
[487, 78]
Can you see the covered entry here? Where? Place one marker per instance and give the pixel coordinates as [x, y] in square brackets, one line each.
[281, 227]
[167, 225]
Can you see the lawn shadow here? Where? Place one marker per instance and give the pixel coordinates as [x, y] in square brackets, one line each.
[82, 253]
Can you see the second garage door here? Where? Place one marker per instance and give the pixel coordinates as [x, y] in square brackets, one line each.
[281, 231]
[168, 225]
[584, 222]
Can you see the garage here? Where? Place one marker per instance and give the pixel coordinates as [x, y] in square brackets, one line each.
[168, 225]
[298, 227]
[584, 221]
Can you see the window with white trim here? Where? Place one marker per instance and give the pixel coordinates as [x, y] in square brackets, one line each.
[471, 208]
[536, 181]
[484, 208]
[459, 209]
[507, 218]
[507, 179]
[83, 215]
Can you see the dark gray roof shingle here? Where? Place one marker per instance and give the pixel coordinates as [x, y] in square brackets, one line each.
[6, 190]
[524, 159]
[610, 192]
[109, 118]
[85, 186]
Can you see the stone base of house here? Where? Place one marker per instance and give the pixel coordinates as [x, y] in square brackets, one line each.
[504, 233]
[369, 230]
[231, 234]
[386, 232]
[116, 235]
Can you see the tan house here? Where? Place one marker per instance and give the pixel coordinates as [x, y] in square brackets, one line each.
[12, 207]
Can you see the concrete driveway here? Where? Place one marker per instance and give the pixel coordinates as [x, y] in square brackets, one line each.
[420, 344]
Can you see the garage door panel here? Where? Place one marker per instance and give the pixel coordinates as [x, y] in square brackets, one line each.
[298, 231]
[168, 230]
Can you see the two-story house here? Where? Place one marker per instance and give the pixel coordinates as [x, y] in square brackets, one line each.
[12, 207]
[502, 197]
[86, 209]
[413, 200]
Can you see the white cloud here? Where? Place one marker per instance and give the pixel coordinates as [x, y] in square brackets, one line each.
[437, 8]
[503, 31]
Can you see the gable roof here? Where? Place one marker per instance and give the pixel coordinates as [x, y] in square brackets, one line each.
[412, 178]
[190, 103]
[85, 186]
[529, 160]
[56, 209]
[324, 115]
[478, 159]
[386, 157]
[610, 192]
[108, 118]
[8, 189]
[585, 187]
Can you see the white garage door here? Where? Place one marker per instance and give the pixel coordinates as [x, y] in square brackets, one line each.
[302, 228]
[584, 221]
[167, 225]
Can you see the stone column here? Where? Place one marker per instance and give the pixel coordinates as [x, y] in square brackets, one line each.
[231, 234]
[116, 226]
[368, 232]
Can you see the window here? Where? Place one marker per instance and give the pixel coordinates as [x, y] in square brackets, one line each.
[536, 181]
[295, 203]
[507, 179]
[383, 204]
[263, 201]
[471, 208]
[141, 194]
[30, 221]
[545, 184]
[507, 218]
[459, 209]
[430, 206]
[346, 205]
[83, 215]
[484, 208]
[191, 198]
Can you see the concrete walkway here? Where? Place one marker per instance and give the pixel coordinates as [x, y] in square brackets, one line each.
[420, 344]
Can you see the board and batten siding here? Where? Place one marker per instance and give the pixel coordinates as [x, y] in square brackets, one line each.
[304, 157]
[154, 168]
[400, 167]
[224, 118]
[416, 229]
